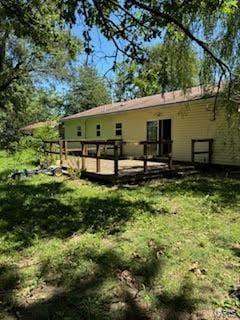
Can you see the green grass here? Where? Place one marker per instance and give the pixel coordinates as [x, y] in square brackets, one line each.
[79, 250]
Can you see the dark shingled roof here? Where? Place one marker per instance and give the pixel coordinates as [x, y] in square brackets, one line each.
[167, 98]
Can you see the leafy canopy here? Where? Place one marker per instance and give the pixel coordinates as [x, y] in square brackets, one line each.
[33, 40]
[88, 90]
[168, 66]
[36, 48]
[211, 25]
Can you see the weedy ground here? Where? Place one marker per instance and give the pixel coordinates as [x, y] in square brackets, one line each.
[72, 249]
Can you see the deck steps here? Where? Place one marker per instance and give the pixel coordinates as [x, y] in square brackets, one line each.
[185, 168]
[185, 171]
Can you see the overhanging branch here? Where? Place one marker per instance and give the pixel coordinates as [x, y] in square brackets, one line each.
[170, 19]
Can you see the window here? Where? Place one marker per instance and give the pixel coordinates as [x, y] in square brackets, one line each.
[98, 130]
[118, 128]
[79, 131]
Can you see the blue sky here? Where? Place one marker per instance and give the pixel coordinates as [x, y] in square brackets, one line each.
[102, 47]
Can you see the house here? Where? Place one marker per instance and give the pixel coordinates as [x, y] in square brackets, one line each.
[178, 116]
[30, 129]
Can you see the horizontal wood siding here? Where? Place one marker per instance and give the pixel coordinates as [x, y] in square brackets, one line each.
[189, 121]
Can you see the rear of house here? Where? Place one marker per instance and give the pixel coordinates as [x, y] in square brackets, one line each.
[177, 116]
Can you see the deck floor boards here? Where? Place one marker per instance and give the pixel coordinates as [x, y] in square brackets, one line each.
[107, 166]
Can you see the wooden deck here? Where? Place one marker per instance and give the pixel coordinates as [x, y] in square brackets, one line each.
[93, 164]
[127, 169]
[107, 166]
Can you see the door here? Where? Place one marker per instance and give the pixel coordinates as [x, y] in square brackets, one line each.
[152, 135]
[165, 133]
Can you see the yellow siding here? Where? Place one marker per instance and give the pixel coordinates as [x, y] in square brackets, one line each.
[189, 121]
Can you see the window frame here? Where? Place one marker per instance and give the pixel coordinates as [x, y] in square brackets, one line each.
[79, 131]
[118, 129]
[98, 130]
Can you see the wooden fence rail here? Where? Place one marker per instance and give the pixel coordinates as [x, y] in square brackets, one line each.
[82, 152]
[168, 155]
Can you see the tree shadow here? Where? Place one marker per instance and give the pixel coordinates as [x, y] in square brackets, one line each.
[226, 191]
[30, 211]
[9, 283]
[38, 211]
[177, 305]
[236, 250]
[84, 299]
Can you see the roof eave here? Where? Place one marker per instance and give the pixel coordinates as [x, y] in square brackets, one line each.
[136, 109]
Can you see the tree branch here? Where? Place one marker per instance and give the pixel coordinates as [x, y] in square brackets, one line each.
[170, 19]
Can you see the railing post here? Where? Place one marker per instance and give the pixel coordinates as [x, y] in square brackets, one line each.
[65, 149]
[98, 154]
[193, 151]
[44, 148]
[51, 151]
[78, 159]
[145, 154]
[115, 158]
[121, 148]
[83, 155]
[61, 152]
[170, 161]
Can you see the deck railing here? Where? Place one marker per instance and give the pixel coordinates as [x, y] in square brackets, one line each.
[208, 151]
[62, 148]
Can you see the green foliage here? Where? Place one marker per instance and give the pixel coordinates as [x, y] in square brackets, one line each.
[88, 90]
[212, 26]
[33, 40]
[22, 104]
[36, 47]
[29, 148]
[46, 133]
[26, 156]
[169, 66]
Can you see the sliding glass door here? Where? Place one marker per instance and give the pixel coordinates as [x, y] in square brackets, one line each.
[158, 130]
[152, 135]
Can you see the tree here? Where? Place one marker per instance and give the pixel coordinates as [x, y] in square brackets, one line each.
[33, 39]
[88, 90]
[35, 47]
[168, 66]
[211, 25]
[23, 105]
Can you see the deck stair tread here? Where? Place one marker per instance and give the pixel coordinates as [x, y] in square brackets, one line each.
[187, 173]
[185, 168]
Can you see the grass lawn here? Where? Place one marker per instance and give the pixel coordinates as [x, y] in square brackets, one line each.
[72, 249]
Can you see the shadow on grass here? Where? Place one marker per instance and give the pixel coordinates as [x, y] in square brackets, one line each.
[9, 282]
[37, 211]
[226, 191]
[88, 298]
[236, 250]
[179, 304]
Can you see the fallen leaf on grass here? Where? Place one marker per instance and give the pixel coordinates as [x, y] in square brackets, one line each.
[197, 270]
